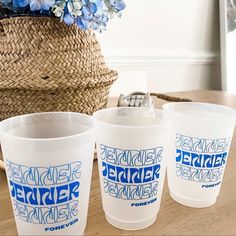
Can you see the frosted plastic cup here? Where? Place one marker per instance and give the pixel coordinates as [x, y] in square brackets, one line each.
[132, 146]
[202, 138]
[48, 159]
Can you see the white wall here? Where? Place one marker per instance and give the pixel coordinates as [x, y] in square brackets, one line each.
[164, 46]
[228, 46]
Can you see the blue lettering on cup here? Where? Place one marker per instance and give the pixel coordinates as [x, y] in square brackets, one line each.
[199, 159]
[131, 174]
[45, 195]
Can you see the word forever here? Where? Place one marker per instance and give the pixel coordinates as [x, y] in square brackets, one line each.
[59, 227]
[137, 204]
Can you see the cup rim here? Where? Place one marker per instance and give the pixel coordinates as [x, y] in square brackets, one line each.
[186, 115]
[167, 121]
[90, 130]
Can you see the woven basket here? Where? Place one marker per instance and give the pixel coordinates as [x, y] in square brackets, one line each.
[48, 66]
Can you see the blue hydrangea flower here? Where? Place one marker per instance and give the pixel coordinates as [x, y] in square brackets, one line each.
[117, 5]
[37, 5]
[20, 3]
[68, 19]
[94, 15]
[85, 13]
[68, 11]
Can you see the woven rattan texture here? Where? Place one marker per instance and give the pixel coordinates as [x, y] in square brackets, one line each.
[48, 66]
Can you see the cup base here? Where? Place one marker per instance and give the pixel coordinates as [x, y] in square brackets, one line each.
[131, 225]
[192, 202]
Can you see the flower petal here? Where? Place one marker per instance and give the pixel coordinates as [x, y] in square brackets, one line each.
[47, 4]
[20, 3]
[35, 5]
[86, 14]
[92, 7]
[68, 19]
[120, 6]
[84, 25]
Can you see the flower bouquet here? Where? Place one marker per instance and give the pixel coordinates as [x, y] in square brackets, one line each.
[50, 59]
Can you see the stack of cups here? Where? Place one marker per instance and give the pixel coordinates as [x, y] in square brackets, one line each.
[49, 156]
